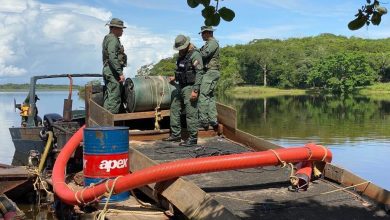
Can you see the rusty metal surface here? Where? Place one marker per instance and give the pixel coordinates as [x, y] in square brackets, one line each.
[12, 177]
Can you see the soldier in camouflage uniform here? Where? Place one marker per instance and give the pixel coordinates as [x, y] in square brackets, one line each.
[188, 75]
[210, 56]
[114, 59]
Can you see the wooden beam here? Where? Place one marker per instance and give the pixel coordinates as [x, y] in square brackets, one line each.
[87, 96]
[346, 178]
[100, 115]
[139, 115]
[227, 116]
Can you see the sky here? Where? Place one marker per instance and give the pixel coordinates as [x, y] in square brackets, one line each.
[40, 37]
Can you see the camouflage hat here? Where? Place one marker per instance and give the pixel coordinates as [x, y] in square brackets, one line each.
[206, 28]
[115, 22]
[181, 42]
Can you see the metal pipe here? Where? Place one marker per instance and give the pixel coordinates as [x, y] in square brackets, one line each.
[45, 152]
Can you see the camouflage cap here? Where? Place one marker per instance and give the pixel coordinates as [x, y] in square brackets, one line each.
[206, 28]
[181, 42]
[115, 22]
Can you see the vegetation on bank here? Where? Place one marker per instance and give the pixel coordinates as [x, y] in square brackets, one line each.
[81, 89]
[26, 87]
[328, 62]
[379, 91]
[248, 92]
[377, 88]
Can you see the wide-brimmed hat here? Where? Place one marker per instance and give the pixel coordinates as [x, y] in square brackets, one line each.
[206, 28]
[181, 42]
[115, 22]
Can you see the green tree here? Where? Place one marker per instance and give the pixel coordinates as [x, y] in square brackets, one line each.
[342, 73]
[165, 67]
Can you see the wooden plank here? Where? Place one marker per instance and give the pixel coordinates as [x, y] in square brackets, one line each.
[92, 123]
[129, 210]
[12, 177]
[14, 172]
[227, 116]
[87, 95]
[254, 142]
[139, 115]
[246, 139]
[346, 178]
[100, 115]
[8, 185]
[150, 135]
[186, 196]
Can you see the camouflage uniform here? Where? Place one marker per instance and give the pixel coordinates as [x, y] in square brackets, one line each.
[207, 102]
[189, 77]
[114, 59]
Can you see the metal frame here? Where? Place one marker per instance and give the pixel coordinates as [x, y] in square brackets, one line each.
[33, 82]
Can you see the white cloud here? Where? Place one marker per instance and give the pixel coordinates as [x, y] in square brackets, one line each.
[38, 38]
[11, 71]
[276, 32]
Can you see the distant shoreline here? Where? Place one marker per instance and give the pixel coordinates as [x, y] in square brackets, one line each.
[27, 90]
[11, 87]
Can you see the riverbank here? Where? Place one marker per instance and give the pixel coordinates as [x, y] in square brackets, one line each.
[378, 91]
[10, 87]
[252, 92]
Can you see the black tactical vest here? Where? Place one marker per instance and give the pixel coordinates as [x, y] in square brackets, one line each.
[185, 71]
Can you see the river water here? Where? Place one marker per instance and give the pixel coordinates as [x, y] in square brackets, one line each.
[357, 129]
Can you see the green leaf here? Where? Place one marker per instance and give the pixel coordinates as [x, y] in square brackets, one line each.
[357, 23]
[381, 10]
[214, 20]
[208, 12]
[226, 14]
[192, 3]
[208, 22]
[376, 18]
[205, 3]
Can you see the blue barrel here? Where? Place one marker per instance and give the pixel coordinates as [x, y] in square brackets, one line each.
[114, 197]
[106, 156]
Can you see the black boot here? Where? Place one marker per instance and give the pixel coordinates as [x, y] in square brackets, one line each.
[214, 125]
[205, 126]
[172, 138]
[190, 142]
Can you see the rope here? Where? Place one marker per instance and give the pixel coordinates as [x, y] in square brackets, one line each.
[310, 153]
[344, 188]
[143, 204]
[294, 180]
[103, 213]
[116, 211]
[157, 113]
[320, 194]
[283, 163]
[326, 152]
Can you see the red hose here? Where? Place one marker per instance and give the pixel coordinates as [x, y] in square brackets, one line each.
[177, 168]
[303, 175]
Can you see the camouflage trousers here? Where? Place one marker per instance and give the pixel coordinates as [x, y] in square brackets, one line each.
[112, 95]
[181, 102]
[207, 102]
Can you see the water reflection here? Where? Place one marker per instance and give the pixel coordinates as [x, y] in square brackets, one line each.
[355, 128]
